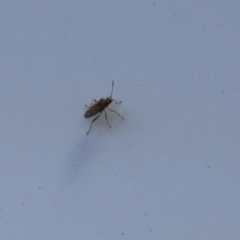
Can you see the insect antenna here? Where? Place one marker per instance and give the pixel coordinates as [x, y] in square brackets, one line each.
[112, 89]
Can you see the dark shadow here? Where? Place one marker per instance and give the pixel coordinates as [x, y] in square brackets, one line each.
[78, 158]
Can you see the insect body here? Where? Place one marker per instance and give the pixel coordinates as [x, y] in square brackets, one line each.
[100, 106]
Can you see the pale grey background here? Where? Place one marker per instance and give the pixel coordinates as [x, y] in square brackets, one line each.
[170, 170]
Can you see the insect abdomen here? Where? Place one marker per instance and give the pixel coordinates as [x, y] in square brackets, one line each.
[91, 112]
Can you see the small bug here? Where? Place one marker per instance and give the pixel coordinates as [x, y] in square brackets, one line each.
[100, 106]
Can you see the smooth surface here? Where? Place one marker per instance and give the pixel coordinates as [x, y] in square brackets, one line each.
[170, 170]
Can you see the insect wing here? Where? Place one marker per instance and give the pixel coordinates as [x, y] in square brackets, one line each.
[92, 111]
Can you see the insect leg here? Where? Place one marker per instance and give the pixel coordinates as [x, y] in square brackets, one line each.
[117, 102]
[106, 118]
[93, 121]
[116, 113]
[94, 100]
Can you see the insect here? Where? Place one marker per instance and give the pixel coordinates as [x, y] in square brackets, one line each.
[99, 107]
